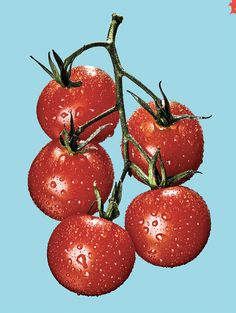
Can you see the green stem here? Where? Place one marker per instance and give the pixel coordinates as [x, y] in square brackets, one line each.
[68, 61]
[142, 86]
[95, 119]
[118, 73]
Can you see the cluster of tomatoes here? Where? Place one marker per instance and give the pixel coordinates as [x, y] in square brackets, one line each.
[167, 226]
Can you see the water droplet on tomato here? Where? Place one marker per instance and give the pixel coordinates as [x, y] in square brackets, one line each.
[159, 237]
[69, 261]
[154, 214]
[141, 222]
[54, 118]
[148, 127]
[61, 160]
[166, 216]
[152, 251]
[64, 114]
[86, 274]
[155, 223]
[77, 112]
[90, 255]
[146, 230]
[81, 259]
[53, 184]
[63, 192]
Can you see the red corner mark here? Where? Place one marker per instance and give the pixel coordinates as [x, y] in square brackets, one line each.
[232, 4]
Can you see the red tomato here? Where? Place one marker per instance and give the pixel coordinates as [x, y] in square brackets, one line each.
[90, 255]
[181, 144]
[169, 226]
[61, 184]
[96, 95]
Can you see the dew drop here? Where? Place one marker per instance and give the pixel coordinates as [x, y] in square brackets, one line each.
[155, 223]
[152, 251]
[166, 216]
[80, 247]
[153, 213]
[62, 159]
[141, 222]
[53, 184]
[159, 237]
[90, 255]
[54, 118]
[81, 259]
[63, 192]
[146, 230]
[148, 127]
[64, 114]
[86, 274]
[69, 261]
[77, 113]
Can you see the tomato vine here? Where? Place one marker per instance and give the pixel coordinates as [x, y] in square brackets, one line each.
[162, 116]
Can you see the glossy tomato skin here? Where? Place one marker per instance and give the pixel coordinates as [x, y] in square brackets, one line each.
[181, 144]
[96, 95]
[90, 255]
[170, 226]
[61, 184]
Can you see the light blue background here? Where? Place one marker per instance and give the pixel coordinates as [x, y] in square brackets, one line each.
[191, 46]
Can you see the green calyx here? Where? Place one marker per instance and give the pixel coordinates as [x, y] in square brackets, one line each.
[112, 210]
[60, 73]
[163, 115]
[69, 139]
[160, 180]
